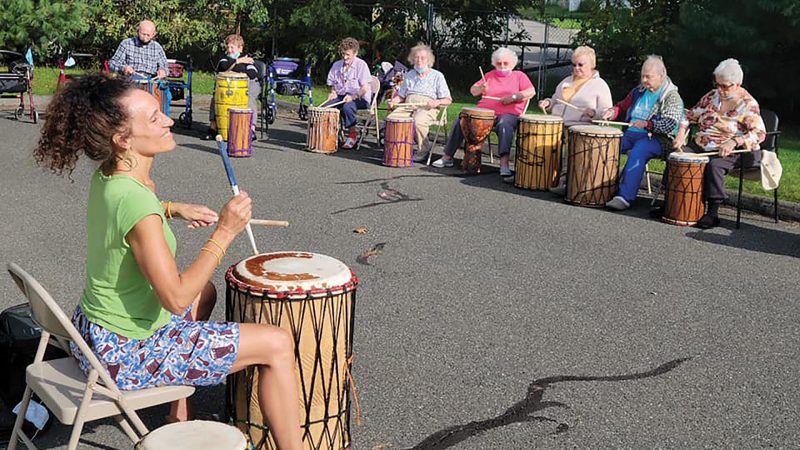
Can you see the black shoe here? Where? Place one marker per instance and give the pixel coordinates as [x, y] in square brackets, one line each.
[707, 222]
[420, 157]
[210, 135]
[657, 213]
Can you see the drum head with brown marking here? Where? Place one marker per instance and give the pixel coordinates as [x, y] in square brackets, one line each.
[690, 158]
[293, 273]
[477, 112]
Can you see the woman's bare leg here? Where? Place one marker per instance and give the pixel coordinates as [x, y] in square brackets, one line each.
[272, 350]
[203, 305]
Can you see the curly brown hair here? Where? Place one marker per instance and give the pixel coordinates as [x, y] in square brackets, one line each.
[349, 43]
[83, 118]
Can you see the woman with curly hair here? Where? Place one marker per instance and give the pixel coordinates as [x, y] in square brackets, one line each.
[145, 320]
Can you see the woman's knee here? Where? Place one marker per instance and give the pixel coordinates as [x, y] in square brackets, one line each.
[277, 344]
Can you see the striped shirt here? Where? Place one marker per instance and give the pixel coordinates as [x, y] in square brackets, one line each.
[144, 58]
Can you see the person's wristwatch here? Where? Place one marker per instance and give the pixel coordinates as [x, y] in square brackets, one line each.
[515, 97]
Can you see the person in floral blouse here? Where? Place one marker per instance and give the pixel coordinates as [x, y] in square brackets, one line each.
[728, 118]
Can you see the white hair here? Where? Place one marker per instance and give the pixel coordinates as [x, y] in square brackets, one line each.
[586, 51]
[503, 52]
[655, 62]
[729, 70]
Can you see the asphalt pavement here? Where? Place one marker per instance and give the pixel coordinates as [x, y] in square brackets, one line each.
[486, 316]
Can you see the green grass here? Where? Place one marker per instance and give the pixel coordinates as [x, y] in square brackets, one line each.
[203, 84]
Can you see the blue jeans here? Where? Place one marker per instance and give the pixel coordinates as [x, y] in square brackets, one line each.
[349, 109]
[640, 149]
[505, 126]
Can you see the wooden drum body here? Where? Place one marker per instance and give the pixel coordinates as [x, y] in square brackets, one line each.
[476, 124]
[592, 164]
[194, 435]
[398, 148]
[323, 130]
[683, 200]
[311, 296]
[538, 157]
[230, 91]
[240, 136]
[156, 88]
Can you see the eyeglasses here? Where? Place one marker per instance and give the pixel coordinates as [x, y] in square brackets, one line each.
[723, 87]
[577, 65]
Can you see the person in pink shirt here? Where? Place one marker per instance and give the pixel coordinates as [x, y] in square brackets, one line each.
[505, 91]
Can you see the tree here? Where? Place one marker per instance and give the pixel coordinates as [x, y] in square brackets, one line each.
[42, 23]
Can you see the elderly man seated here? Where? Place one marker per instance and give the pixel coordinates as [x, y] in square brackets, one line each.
[141, 54]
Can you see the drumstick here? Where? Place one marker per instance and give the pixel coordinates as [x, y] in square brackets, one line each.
[483, 77]
[269, 223]
[717, 153]
[568, 104]
[333, 104]
[222, 146]
[544, 111]
[611, 122]
[491, 98]
[410, 104]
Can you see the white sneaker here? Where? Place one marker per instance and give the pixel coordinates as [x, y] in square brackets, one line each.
[618, 203]
[441, 162]
[349, 143]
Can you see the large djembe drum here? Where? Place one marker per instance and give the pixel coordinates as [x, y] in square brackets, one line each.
[230, 91]
[592, 164]
[323, 129]
[538, 157]
[683, 200]
[476, 124]
[398, 148]
[313, 297]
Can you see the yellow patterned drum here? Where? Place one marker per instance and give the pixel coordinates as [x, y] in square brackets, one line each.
[538, 151]
[230, 91]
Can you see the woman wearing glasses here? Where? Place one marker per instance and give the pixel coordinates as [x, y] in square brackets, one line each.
[584, 89]
[728, 118]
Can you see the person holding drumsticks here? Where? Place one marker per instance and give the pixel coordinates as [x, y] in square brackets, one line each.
[140, 55]
[728, 118]
[579, 97]
[234, 61]
[145, 320]
[349, 79]
[424, 89]
[654, 110]
[505, 91]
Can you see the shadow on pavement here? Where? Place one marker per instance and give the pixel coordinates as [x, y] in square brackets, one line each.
[523, 410]
[753, 238]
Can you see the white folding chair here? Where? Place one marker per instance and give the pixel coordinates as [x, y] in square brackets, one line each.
[441, 124]
[62, 386]
[369, 116]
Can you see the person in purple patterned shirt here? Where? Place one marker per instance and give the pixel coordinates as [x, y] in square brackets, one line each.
[349, 79]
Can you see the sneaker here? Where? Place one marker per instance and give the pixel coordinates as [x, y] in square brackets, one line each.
[420, 156]
[560, 190]
[508, 179]
[618, 203]
[349, 143]
[441, 162]
[506, 172]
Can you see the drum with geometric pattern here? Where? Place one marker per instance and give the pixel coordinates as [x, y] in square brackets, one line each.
[683, 199]
[313, 297]
[592, 164]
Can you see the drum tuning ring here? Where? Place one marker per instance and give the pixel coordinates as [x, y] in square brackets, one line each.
[229, 92]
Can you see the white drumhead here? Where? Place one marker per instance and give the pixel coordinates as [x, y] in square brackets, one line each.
[292, 272]
[240, 109]
[538, 118]
[595, 129]
[321, 109]
[194, 435]
[224, 75]
[477, 110]
[399, 119]
[690, 158]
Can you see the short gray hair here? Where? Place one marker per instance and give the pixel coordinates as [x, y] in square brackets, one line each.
[730, 70]
[655, 62]
[505, 52]
[421, 48]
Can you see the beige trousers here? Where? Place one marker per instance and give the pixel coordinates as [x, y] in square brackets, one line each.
[423, 117]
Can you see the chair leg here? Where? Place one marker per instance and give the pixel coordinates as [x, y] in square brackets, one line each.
[775, 203]
[739, 199]
[647, 177]
[364, 131]
[80, 415]
[17, 432]
[433, 144]
[126, 427]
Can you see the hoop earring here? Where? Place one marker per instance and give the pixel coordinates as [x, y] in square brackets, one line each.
[129, 160]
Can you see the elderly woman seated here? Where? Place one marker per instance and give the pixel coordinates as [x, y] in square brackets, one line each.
[423, 90]
[506, 92]
[728, 118]
[654, 110]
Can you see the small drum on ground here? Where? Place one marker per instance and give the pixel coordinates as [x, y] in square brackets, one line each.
[592, 164]
[476, 124]
[398, 148]
[230, 91]
[240, 136]
[683, 200]
[538, 157]
[323, 129]
[194, 435]
[156, 88]
[313, 297]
